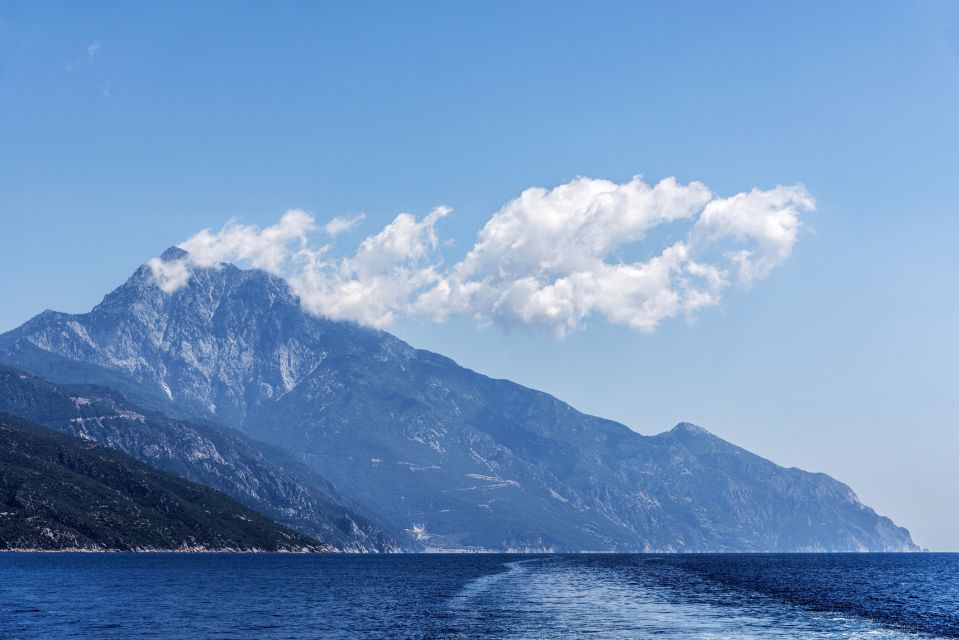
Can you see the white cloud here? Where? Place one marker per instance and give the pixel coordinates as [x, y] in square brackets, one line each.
[376, 284]
[543, 258]
[769, 220]
[93, 48]
[341, 224]
[550, 258]
[170, 275]
[267, 249]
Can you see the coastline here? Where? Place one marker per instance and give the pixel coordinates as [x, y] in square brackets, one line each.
[178, 550]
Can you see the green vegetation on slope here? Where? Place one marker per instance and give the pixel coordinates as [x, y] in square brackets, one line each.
[59, 492]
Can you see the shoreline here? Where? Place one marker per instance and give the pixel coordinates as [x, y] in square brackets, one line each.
[184, 551]
[338, 552]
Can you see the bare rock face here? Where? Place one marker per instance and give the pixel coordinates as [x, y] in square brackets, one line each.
[453, 458]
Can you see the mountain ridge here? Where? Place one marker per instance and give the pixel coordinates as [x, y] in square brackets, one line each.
[457, 459]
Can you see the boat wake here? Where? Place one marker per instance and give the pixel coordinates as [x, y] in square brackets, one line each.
[563, 598]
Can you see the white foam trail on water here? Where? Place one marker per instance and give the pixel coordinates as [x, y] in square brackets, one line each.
[485, 583]
[540, 599]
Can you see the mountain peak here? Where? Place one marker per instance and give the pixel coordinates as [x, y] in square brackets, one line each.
[173, 253]
[688, 428]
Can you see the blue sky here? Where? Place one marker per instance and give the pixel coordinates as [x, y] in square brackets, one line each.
[126, 128]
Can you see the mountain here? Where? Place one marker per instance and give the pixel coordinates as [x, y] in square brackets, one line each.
[59, 492]
[455, 458]
[262, 477]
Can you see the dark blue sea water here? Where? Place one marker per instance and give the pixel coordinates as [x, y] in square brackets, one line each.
[176, 596]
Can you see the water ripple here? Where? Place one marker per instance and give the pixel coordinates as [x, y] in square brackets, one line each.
[265, 597]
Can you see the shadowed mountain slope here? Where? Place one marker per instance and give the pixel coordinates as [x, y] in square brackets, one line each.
[59, 492]
[258, 475]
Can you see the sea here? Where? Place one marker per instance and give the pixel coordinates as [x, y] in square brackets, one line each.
[299, 596]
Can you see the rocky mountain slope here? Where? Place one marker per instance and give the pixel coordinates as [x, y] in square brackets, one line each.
[457, 459]
[59, 492]
[262, 477]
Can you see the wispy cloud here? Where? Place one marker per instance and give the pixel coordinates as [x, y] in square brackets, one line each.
[341, 224]
[549, 258]
[91, 49]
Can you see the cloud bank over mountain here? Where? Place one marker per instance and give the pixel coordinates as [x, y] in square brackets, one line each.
[633, 254]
